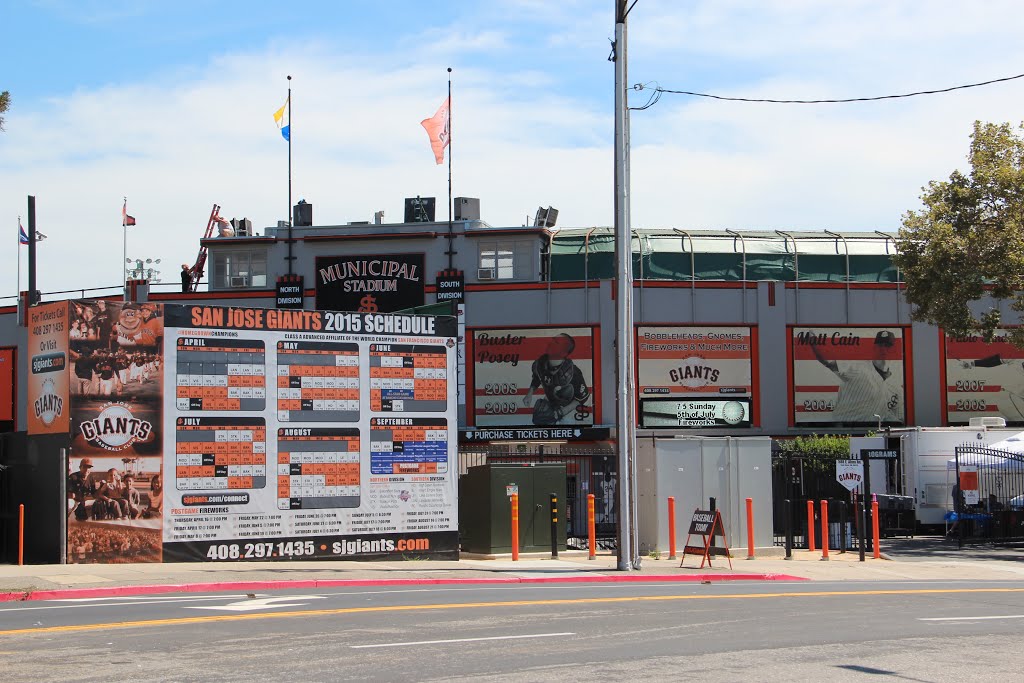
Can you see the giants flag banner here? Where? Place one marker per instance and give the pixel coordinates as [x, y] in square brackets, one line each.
[851, 376]
[438, 128]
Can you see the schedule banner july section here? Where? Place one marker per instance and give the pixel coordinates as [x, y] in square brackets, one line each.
[308, 434]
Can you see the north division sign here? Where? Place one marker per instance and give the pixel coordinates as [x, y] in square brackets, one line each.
[369, 284]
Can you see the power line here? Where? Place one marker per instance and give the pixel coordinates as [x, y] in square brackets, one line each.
[659, 90]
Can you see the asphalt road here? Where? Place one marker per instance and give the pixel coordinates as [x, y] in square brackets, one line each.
[917, 631]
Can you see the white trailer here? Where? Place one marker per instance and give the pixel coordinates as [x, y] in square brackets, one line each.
[926, 454]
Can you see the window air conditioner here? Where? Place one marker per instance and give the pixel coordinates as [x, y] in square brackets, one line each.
[238, 280]
[485, 274]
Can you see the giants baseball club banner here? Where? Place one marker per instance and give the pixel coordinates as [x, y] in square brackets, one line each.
[850, 376]
[984, 379]
[47, 371]
[369, 284]
[694, 361]
[534, 376]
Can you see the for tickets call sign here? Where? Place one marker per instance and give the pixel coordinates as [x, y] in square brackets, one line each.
[230, 434]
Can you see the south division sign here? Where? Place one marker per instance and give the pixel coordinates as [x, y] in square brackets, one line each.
[369, 284]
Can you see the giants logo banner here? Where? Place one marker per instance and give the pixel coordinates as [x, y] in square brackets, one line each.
[694, 361]
[369, 284]
[539, 376]
[850, 376]
[984, 379]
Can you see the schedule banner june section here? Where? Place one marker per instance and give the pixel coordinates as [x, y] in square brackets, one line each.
[849, 376]
[308, 435]
[534, 376]
[984, 379]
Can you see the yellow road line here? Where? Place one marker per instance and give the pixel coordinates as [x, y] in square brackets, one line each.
[472, 605]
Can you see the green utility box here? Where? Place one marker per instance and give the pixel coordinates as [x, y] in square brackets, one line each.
[485, 514]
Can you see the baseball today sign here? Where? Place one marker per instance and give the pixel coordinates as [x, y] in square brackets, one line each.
[850, 473]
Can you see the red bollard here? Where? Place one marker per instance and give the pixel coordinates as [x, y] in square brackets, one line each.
[824, 529]
[21, 534]
[810, 526]
[591, 533]
[750, 528]
[874, 528]
[671, 528]
[515, 526]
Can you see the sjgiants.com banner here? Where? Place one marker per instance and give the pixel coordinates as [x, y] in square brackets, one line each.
[848, 375]
[694, 361]
[984, 379]
[47, 370]
[534, 376]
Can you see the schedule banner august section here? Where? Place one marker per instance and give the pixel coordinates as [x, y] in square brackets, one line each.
[308, 434]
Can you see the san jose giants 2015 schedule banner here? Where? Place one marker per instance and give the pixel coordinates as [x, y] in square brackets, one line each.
[984, 379]
[695, 376]
[208, 433]
[534, 376]
[848, 375]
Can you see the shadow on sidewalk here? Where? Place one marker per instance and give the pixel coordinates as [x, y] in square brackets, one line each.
[923, 548]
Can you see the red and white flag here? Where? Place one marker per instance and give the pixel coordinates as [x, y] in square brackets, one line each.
[125, 218]
[438, 127]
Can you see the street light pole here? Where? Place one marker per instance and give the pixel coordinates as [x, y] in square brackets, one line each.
[625, 415]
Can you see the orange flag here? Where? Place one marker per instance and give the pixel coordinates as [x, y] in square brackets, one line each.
[438, 129]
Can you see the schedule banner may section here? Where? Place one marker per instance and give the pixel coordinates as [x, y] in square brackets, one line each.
[308, 434]
[853, 376]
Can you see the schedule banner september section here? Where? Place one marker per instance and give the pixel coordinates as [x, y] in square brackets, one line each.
[308, 434]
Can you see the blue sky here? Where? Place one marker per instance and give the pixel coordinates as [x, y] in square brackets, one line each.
[171, 104]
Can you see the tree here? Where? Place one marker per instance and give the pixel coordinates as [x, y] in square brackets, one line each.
[5, 102]
[967, 243]
[819, 452]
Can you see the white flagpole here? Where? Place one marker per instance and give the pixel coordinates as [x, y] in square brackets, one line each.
[124, 230]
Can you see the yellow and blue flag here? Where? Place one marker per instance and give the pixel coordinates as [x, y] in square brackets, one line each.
[283, 119]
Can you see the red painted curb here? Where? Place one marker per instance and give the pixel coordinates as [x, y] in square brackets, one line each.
[116, 591]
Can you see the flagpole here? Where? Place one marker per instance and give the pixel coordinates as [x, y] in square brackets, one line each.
[291, 215]
[124, 253]
[451, 236]
[17, 290]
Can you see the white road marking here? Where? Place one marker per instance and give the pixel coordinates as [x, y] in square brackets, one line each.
[146, 601]
[1004, 616]
[261, 603]
[462, 640]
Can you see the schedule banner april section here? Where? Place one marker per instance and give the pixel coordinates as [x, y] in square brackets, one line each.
[309, 435]
[535, 376]
[984, 379]
[849, 376]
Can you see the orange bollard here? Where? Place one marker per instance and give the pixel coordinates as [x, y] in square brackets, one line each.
[824, 529]
[21, 534]
[750, 528]
[810, 526]
[671, 528]
[591, 533]
[874, 528]
[515, 526]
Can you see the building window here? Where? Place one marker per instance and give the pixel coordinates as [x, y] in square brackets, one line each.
[506, 260]
[242, 268]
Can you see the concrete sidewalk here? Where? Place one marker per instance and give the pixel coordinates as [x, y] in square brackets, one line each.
[52, 581]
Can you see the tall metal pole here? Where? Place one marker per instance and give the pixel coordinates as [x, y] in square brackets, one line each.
[625, 416]
[124, 245]
[291, 216]
[17, 290]
[32, 299]
[451, 235]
